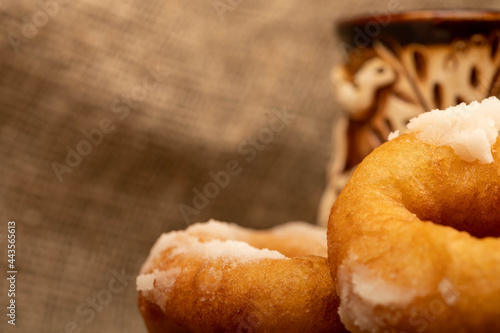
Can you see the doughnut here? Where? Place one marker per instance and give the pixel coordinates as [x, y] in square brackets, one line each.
[413, 239]
[220, 277]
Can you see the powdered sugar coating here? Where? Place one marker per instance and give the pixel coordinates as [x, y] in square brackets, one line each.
[470, 130]
[376, 291]
[188, 243]
[166, 279]
[146, 282]
[229, 250]
[393, 135]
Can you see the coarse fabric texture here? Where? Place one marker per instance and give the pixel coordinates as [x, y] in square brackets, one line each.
[170, 93]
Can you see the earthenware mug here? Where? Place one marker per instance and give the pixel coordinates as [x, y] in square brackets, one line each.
[397, 66]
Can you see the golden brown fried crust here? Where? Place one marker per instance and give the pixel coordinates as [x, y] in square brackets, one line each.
[413, 241]
[266, 295]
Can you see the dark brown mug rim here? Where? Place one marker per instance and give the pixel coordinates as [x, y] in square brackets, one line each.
[418, 26]
[438, 16]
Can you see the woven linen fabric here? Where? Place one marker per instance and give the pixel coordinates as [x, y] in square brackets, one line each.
[156, 98]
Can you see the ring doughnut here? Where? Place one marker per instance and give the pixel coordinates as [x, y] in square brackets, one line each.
[413, 239]
[219, 277]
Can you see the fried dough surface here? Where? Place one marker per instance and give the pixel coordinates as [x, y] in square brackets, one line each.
[413, 241]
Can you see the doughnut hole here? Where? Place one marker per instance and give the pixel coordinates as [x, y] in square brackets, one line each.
[448, 191]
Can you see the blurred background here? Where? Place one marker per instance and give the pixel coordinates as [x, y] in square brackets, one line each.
[116, 115]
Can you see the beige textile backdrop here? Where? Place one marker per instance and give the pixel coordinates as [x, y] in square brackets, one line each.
[221, 79]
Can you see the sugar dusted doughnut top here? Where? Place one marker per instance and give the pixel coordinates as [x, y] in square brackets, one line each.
[220, 277]
[231, 243]
[470, 130]
[183, 242]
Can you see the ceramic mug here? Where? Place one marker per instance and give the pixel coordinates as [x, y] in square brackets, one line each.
[400, 65]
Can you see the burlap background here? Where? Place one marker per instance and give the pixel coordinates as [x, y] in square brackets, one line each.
[222, 81]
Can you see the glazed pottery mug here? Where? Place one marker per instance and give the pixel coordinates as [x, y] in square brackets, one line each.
[397, 66]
